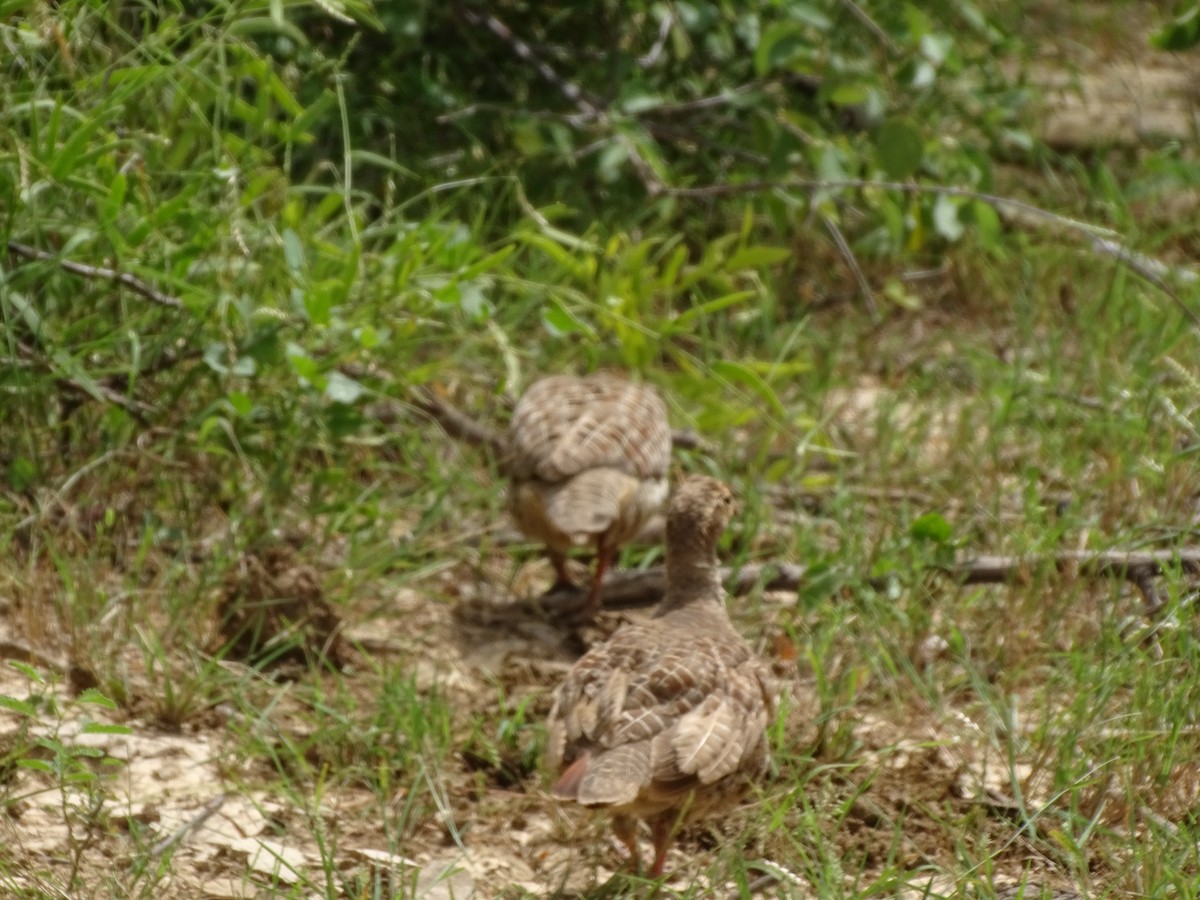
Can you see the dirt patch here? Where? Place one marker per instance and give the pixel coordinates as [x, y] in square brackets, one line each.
[273, 609]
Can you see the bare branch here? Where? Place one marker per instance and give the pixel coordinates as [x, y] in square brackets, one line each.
[460, 426]
[591, 108]
[132, 282]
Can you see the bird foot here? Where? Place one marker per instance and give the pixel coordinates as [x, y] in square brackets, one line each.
[566, 603]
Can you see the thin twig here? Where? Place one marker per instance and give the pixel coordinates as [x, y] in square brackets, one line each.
[132, 282]
[96, 390]
[459, 425]
[880, 35]
[664, 30]
[700, 103]
[848, 255]
[67, 486]
[206, 812]
[591, 108]
[908, 187]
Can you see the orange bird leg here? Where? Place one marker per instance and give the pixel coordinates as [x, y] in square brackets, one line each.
[661, 830]
[562, 578]
[625, 830]
[604, 560]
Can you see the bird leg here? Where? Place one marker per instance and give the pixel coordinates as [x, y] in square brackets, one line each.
[604, 559]
[562, 578]
[625, 830]
[662, 830]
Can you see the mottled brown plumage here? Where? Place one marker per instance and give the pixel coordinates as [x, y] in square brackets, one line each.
[666, 721]
[588, 460]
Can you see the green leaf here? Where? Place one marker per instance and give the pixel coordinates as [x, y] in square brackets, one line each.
[640, 102]
[809, 13]
[898, 149]
[1182, 33]
[611, 161]
[488, 263]
[744, 375]
[28, 671]
[302, 364]
[293, 252]
[22, 472]
[23, 707]
[368, 337]
[254, 26]
[29, 313]
[105, 728]
[851, 94]
[779, 44]
[931, 527]
[240, 402]
[986, 221]
[685, 317]
[301, 126]
[560, 321]
[115, 198]
[551, 243]
[95, 698]
[754, 257]
[342, 388]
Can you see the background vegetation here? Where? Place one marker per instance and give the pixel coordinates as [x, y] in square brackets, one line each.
[911, 322]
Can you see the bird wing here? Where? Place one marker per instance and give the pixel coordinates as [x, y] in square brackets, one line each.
[656, 715]
[564, 425]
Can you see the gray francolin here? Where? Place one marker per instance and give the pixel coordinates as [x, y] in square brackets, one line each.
[588, 459]
[666, 721]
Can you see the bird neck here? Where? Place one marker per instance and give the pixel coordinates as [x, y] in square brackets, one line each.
[691, 581]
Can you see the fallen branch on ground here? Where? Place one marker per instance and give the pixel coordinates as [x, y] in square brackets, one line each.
[633, 589]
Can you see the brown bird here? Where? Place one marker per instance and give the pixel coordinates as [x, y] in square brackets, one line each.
[588, 459]
[666, 721]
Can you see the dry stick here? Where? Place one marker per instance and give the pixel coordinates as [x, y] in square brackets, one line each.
[664, 31]
[848, 255]
[206, 812]
[135, 284]
[588, 105]
[132, 282]
[135, 408]
[59, 497]
[629, 590]
[459, 425]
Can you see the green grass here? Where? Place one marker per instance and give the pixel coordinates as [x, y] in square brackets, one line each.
[1015, 394]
